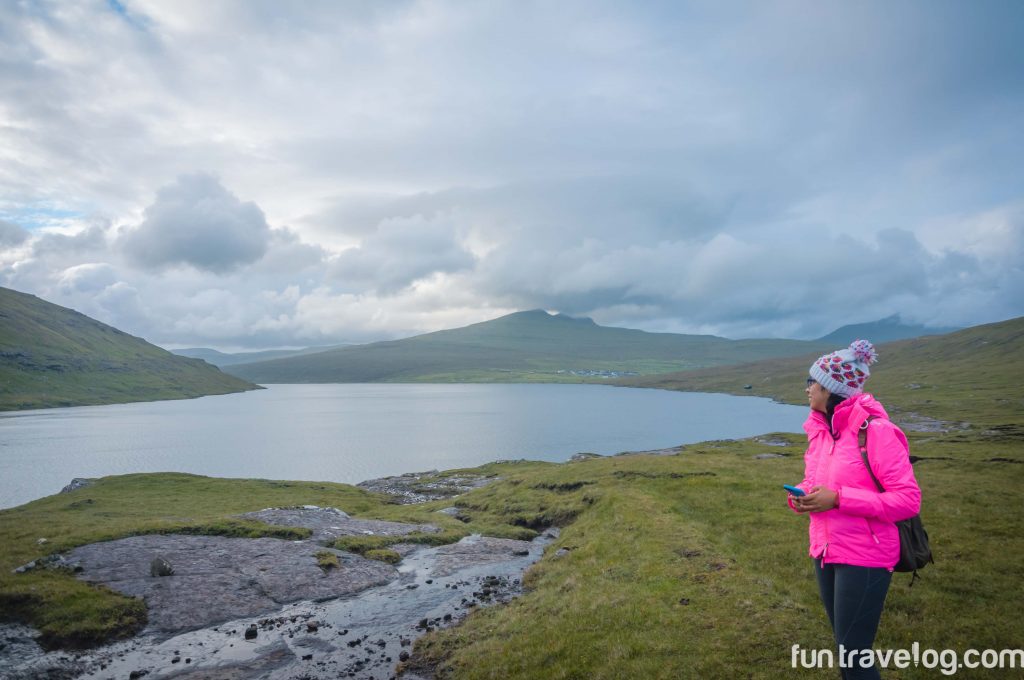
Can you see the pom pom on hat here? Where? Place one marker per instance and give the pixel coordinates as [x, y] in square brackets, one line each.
[864, 351]
[844, 371]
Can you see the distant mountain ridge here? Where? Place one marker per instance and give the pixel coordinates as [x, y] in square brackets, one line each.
[524, 346]
[54, 356]
[221, 359]
[884, 330]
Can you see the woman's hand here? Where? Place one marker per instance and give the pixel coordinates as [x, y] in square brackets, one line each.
[819, 499]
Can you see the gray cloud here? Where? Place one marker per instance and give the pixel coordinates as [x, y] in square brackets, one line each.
[11, 234]
[197, 222]
[686, 167]
[399, 252]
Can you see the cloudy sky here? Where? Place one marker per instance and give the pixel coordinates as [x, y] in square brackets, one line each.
[266, 174]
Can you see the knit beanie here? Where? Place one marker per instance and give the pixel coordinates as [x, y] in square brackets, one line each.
[844, 371]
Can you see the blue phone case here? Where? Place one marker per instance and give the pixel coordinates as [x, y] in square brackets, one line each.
[795, 490]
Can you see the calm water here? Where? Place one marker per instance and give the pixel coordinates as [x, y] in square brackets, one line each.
[349, 433]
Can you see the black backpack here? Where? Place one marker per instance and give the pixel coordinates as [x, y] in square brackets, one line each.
[915, 552]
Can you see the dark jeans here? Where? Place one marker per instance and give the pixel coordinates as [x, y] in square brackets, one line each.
[853, 598]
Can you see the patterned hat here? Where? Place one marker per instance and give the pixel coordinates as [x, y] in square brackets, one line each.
[844, 371]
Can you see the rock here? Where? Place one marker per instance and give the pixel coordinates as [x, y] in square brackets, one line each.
[404, 656]
[520, 552]
[312, 627]
[328, 524]
[41, 541]
[585, 455]
[218, 579]
[420, 487]
[748, 387]
[561, 552]
[251, 632]
[160, 567]
[769, 440]
[135, 675]
[763, 456]
[78, 483]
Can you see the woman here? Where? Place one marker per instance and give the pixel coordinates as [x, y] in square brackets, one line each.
[854, 541]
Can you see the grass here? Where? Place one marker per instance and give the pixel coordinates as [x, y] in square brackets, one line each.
[327, 560]
[675, 566]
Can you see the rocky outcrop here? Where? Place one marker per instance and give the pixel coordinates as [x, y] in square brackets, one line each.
[420, 487]
[216, 579]
[328, 524]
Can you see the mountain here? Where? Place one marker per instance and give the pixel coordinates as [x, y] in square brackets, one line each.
[54, 356]
[519, 347]
[972, 374]
[883, 330]
[221, 359]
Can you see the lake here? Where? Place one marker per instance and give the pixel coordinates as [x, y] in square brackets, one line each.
[353, 432]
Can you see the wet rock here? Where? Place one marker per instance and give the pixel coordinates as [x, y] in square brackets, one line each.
[160, 567]
[585, 455]
[218, 579]
[328, 524]
[475, 550]
[78, 483]
[420, 487]
[673, 451]
[251, 632]
[312, 627]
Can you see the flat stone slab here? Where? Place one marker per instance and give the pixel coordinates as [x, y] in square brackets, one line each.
[330, 523]
[218, 579]
[421, 487]
[476, 550]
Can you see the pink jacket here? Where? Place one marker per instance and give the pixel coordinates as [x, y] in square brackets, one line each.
[861, 531]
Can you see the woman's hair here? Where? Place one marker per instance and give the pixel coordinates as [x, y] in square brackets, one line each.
[830, 408]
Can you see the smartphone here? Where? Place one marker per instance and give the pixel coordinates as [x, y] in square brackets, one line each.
[795, 490]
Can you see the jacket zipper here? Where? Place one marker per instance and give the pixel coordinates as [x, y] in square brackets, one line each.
[828, 477]
[871, 530]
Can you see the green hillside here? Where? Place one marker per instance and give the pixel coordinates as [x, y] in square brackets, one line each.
[525, 346]
[53, 356]
[970, 375]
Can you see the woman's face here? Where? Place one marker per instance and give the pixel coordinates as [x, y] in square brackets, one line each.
[817, 396]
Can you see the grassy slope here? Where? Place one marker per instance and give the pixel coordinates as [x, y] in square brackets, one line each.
[971, 375]
[525, 346]
[53, 356]
[708, 527]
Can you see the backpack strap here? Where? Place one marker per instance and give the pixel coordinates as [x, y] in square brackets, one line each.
[862, 442]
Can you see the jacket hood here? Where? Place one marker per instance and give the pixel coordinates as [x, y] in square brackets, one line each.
[850, 414]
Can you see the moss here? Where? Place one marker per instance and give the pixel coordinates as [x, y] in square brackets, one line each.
[383, 555]
[327, 560]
